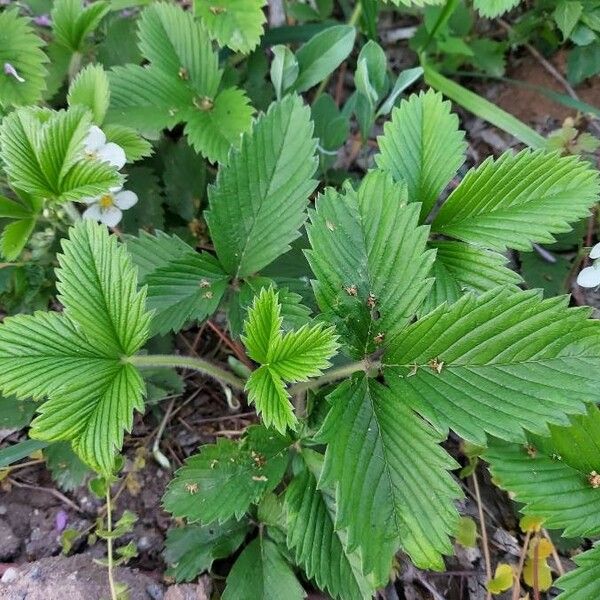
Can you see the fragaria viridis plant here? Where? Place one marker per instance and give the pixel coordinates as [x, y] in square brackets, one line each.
[405, 325]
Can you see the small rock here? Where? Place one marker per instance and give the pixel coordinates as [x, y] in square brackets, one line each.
[155, 591]
[3, 509]
[10, 545]
[11, 574]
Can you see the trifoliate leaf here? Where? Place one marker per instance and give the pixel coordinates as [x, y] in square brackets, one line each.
[72, 22]
[225, 478]
[423, 147]
[192, 549]
[90, 89]
[43, 154]
[556, 478]
[212, 132]
[76, 358]
[518, 200]
[237, 24]
[258, 202]
[186, 288]
[584, 582]
[285, 358]
[21, 50]
[319, 547]
[393, 485]
[499, 363]
[494, 8]
[262, 573]
[370, 260]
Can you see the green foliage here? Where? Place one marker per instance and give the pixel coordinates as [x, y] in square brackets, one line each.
[494, 8]
[72, 22]
[22, 49]
[584, 581]
[67, 469]
[90, 89]
[290, 357]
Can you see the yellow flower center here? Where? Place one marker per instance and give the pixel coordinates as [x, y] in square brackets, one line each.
[106, 201]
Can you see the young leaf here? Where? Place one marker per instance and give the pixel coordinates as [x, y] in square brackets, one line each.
[423, 147]
[393, 488]
[555, 477]
[518, 200]
[258, 202]
[90, 89]
[21, 49]
[284, 69]
[192, 549]
[370, 259]
[238, 25]
[262, 573]
[499, 363]
[319, 547]
[225, 478]
[584, 582]
[72, 22]
[290, 357]
[75, 358]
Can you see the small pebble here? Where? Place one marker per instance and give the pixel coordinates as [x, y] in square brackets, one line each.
[11, 574]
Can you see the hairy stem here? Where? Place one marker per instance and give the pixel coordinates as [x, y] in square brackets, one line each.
[109, 545]
[333, 375]
[187, 362]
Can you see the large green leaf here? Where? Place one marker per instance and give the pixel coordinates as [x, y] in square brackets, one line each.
[258, 202]
[225, 478]
[554, 477]
[518, 200]
[393, 488]
[237, 24]
[319, 547]
[21, 49]
[423, 147]
[370, 259]
[499, 363]
[584, 582]
[77, 359]
[262, 573]
[290, 357]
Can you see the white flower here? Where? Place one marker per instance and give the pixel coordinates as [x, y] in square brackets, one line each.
[109, 207]
[95, 146]
[595, 252]
[589, 277]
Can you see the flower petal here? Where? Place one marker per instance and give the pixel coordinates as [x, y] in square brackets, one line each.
[125, 199]
[94, 140]
[111, 216]
[89, 200]
[93, 212]
[595, 251]
[113, 154]
[589, 277]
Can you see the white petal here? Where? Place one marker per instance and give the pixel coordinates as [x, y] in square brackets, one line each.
[89, 200]
[589, 277]
[95, 139]
[93, 212]
[111, 216]
[115, 189]
[595, 251]
[125, 199]
[113, 154]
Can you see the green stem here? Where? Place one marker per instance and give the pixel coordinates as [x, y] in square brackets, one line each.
[109, 544]
[74, 65]
[333, 375]
[187, 362]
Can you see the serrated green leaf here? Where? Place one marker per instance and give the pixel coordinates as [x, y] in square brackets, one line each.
[498, 363]
[393, 486]
[370, 260]
[423, 147]
[68, 470]
[90, 89]
[22, 49]
[215, 131]
[43, 154]
[237, 24]
[258, 202]
[72, 22]
[566, 15]
[262, 573]
[318, 546]
[584, 582]
[554, 477]
[290, 357]
[178, 46]
[134, 145]
[186, 288]
[518, 200]
[494, 8]
[192, 549]
[225, 478]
